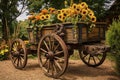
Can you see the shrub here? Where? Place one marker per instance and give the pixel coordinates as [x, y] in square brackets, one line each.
[3, 50]
[113, 39]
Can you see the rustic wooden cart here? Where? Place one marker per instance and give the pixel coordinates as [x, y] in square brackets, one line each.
[55, 43]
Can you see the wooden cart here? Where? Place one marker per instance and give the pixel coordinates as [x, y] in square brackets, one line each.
[55, 43]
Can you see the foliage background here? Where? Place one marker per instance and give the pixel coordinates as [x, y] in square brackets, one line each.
[113, 39]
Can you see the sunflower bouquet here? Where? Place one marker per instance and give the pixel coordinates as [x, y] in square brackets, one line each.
[74, 13]
[77, 13]
[45, 17]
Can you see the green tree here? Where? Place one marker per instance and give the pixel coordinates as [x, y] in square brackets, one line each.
[8, 13]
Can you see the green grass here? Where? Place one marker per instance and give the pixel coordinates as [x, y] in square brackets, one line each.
[75, 55]
[30, 56]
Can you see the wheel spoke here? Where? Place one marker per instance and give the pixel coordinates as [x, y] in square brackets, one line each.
[58, 53]
[53, 44]
[58, 65]
[49, 42]
[48, 69]
[94, 60]
[15, 59]
[54, 67]
[18, 62]
[56, 47]
[89, 59]
[45, 62]
[98, 58]
[46, 45]
[84, 56]
[43, 50]
[21, 55]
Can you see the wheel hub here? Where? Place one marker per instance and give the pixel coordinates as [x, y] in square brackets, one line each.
[50, 55]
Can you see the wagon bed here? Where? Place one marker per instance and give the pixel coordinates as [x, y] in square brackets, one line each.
[82, 32]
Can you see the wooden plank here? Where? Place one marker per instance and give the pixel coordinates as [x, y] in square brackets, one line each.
[46, 31]
[71, 36]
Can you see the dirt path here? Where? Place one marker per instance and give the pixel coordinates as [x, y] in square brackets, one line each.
[77, 70]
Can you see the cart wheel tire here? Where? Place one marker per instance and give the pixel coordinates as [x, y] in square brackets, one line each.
[92, 60]
[18, 54]
[52, 55]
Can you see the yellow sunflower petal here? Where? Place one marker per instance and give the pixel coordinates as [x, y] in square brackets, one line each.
[74, 6]
[42, 17]
[84, 12]
[93, 18]
[47, 16]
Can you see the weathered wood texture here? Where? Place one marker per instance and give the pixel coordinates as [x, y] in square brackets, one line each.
[73, 35]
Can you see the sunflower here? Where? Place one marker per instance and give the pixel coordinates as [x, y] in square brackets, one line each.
[91, 13]
[84, 12]
[47, 16]
[42, 17]
[89, 10]
[83, 5]
[74, 6]
[63, 10]
[61, 17]
[93, 18]
[72, 12]
[78, 9]
[44, 11]
[59, 11]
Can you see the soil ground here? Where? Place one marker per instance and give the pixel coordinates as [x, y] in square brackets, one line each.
[76, 70]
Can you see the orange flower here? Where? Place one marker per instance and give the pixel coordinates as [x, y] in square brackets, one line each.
[31, 17]
[37, 17]
[44, 11]
[51, 10]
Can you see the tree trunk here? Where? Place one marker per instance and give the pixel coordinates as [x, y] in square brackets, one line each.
[5, 29]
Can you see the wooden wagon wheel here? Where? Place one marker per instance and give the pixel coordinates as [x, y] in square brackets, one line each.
[18, 53]
[52, 55]
[92, 60]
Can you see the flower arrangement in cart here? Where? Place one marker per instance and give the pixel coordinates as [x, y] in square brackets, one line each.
[74, 13]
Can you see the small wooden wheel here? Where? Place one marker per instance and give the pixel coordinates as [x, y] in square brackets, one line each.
[18, 54]
[52, 55]
[92, 60]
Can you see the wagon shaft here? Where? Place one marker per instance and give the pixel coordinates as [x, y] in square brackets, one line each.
[96, 49]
